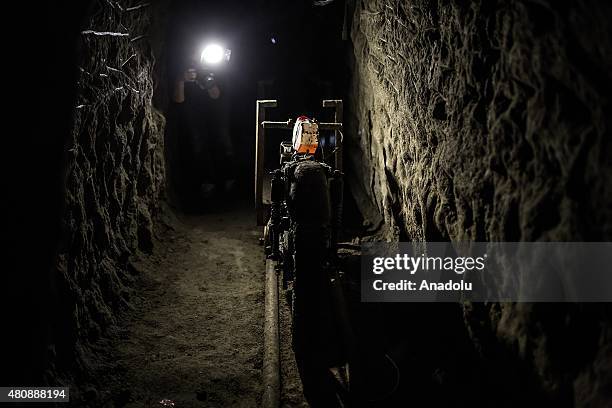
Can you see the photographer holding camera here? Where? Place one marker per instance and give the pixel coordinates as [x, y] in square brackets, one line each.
[205, 147]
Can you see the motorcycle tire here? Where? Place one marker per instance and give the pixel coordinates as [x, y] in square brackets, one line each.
[310, 209]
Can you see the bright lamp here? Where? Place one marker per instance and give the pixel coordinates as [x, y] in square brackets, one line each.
[212, 54]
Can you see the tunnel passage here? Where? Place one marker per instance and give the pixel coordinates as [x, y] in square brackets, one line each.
[485, 121]
[288, 52]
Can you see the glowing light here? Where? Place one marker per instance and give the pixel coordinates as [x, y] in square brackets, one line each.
[212, 54]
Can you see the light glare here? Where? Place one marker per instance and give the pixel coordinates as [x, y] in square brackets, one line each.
[212, 54]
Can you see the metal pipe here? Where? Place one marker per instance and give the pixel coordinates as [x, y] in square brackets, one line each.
[268, 124]
[271, 357]
[259, 155]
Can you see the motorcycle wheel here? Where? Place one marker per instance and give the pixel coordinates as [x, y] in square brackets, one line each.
[310, 209]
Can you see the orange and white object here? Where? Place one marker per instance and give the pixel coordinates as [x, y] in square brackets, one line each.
[305, 135]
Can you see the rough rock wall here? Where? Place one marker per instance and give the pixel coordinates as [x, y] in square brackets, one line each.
[114, 177]
[490, 120]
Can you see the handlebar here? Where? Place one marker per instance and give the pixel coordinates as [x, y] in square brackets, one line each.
[268, 124]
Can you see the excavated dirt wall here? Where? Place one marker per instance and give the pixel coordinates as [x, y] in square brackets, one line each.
[114, 178]
[490, 121]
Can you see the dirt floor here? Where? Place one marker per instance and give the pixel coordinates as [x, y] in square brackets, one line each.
[195, 335]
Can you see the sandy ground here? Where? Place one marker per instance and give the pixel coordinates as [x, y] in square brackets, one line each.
[195, 335]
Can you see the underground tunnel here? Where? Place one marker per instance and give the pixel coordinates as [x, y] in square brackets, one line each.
[334, 203]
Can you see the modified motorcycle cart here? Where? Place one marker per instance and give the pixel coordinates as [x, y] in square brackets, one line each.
[300, 206]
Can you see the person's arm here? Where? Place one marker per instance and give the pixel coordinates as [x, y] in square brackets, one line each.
[178, 95]
[214, 92]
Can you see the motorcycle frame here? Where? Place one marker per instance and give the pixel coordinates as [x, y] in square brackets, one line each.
[260, 137]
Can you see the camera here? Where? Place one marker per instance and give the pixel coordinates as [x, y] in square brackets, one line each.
[205, 79]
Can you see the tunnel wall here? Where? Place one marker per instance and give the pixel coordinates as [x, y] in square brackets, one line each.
[114, 180]
[489, 121]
